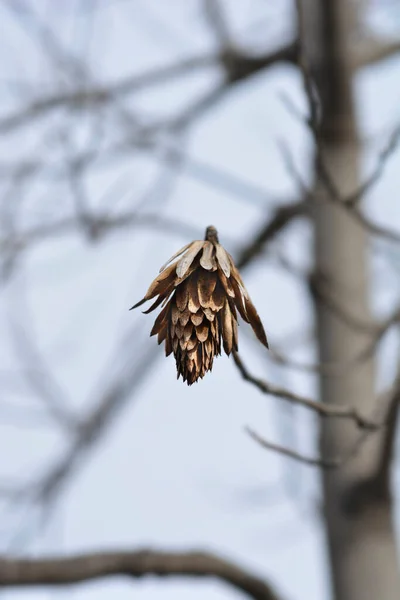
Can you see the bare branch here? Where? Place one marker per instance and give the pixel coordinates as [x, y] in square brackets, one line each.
[383, 157]
[333, 193]
[313, 124]
[241, 67]
[378, 230]
[102, 224]
[386, 405]
[323, 410]
[98, 95]
[280, 358]
[42, 380]
[313, 462]
[319, 287]
[194, 110]
[346, 203]
[334, 196]
[373, 51]
[282, 217]
[116, 395]
[136, 564]
[217, 21]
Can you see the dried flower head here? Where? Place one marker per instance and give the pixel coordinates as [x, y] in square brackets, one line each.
[206, 290]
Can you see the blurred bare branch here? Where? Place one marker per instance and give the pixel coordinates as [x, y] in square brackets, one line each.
[281, 218]
[77, 569]
[216, 19]
[122, 388]
[383, 157]
[86, 98]
[103, 225]
[323, 172]
[312, 462]
[385, 409]
[333, 196]
[322, 410]
[42, 381]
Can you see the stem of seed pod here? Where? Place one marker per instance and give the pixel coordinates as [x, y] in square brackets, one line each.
[211, 235]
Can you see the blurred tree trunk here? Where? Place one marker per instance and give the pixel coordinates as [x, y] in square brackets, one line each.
[357, 502]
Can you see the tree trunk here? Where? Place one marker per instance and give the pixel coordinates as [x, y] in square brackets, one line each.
[357, 503]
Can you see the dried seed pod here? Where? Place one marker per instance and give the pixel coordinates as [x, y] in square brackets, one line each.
[200, 293]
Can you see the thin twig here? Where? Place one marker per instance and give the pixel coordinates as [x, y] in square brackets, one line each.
[42, 380]
[313, 122]
[313, 462]
[216, 19]
[387, 406]
[323, 410]
[383, 157]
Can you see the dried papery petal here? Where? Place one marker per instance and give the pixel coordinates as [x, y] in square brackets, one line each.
[235, 334]
[192, 343]
[158, 323]
[223, 260]
[182, 296]
[187, 259]
[226, 282]
[181, 251]
[218, 298]
[168, 346]
[239, 301]
[227, 334]
[206, 285]
[162, 334]
[202, 332]
[236, 275]
[179, 330]
[160, 285]
[175, 314]
[255, 322]
[207, 260]
[197, 317]
[193, 301]
[154, 305]
[187, 332]
[184, 317]
[210, 314]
